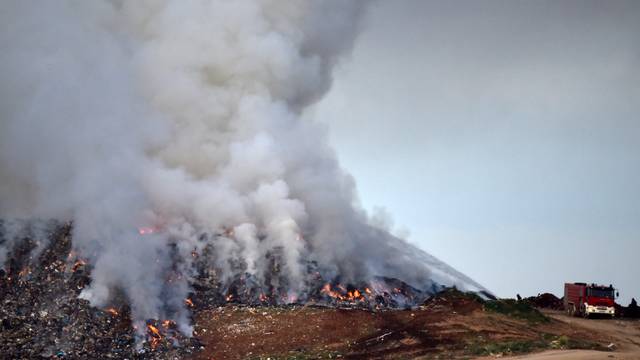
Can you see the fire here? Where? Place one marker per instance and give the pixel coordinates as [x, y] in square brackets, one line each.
[229, 297]
[354, 295]
[145, 230]
[155, 335]
[112, 311]
[263, 297]
[188, 302]
[342, 294]
[154, 330]
[326, 289]
[78, 264]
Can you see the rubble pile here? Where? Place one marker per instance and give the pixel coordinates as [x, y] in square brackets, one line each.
[452, 299]
[546, 301]
[379, 293]
[42, 317]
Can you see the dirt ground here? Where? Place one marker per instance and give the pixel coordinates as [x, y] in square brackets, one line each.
[444, 329]
[624, 334]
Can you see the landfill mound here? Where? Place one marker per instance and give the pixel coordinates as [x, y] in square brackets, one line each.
[42, 316]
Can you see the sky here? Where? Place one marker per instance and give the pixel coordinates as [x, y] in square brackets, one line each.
[502, 136]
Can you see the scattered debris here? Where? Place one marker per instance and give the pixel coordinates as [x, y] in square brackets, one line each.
[41, 315]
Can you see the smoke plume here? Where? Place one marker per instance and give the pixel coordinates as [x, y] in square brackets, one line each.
[151, 124]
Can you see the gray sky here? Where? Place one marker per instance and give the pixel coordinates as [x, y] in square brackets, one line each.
[505, 135]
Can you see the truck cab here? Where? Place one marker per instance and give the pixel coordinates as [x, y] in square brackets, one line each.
[581, 299]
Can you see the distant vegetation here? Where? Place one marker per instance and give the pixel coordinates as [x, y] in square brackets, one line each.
[518, 309]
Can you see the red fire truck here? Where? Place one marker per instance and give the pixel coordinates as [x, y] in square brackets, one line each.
[581, 299]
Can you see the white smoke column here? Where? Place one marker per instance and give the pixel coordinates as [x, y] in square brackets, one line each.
[73, 138]
[185, 116]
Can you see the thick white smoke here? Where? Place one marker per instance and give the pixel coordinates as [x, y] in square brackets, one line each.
[184, 116]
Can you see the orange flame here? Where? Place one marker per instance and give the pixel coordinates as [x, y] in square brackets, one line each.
[342, 294]
[229, 297]
[188, 302]
[326, 289]
[112, 311]
[155, 336]
[78, 264]
[154, 330]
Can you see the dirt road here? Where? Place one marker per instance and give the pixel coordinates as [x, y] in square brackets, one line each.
[624, 334]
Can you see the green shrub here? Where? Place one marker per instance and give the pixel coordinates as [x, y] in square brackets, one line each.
[517, 309]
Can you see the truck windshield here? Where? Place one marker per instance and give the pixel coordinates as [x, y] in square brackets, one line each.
[608, 293]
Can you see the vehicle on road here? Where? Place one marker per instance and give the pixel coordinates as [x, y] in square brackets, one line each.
[582, 299]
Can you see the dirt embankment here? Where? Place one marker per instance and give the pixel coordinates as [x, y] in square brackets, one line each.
[451, 326]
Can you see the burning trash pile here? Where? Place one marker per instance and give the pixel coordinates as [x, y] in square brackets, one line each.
[380, 293]
[41, 315]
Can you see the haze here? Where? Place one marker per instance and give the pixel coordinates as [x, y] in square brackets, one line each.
[504, 135]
